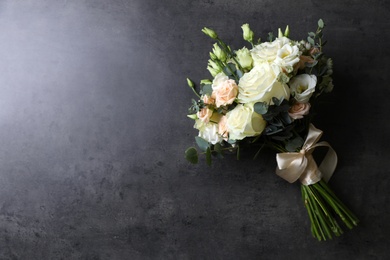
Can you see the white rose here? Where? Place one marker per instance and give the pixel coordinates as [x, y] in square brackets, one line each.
[267, 51]
[244, 58]
[287, 57]
[243, 122]
[209, 132]
[303, 86]
[261, 84]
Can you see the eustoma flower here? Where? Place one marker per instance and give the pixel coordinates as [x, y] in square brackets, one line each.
[303, 86]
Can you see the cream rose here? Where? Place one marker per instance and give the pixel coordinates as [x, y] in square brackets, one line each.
[204, 114]
[267, 51]
[303, 86]
[244, 58]
[298, 110]
[261, 84]
[209, 132]
[225, 90]
[243, 122]
[208, 100]
[222, 128]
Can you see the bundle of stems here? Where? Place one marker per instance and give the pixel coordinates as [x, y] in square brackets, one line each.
[323, 206]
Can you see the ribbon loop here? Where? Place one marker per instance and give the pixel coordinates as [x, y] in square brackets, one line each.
[293, 166]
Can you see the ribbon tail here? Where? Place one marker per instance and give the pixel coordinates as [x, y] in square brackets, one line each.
[329, 163]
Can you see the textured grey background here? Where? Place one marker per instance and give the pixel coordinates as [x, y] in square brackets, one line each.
[93, 103]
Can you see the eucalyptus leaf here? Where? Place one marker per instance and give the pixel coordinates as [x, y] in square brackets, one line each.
[191, 154]
[310, 40]
[321, 23]
[218, 148]
[294, 144]
[207, 90]
[260, 108]
[271, 36]
[229, 69]
[239, 73]
[202, 144]
[312, 34]
[276, 101]
[286, 118]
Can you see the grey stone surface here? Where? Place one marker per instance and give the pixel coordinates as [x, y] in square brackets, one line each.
[93, 103]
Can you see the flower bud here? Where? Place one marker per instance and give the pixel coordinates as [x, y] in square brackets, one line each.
[190, 83]
[213, 56]
[209, 33]
[247, 33]
[218, 52]
[287, 31]
[213, 68]
[280, 34]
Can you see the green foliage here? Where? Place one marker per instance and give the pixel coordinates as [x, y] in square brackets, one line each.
[196, 106]
[206, 90]
[271, 36]
[260, 108]
[229, 69]
[191, 154]
[321, 23]
[277, 117]
[294, 144]
[202, 144]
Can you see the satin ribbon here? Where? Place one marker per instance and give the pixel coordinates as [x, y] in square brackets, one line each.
[293, 166]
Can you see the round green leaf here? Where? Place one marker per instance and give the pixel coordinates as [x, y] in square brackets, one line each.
[191, 155]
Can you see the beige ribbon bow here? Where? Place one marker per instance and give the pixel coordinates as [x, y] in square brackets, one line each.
[294, 166]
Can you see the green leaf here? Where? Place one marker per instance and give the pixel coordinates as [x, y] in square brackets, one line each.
[207, 90]
[271, 36]
[294, 144]
[239, 73]
[203, 144]
[312, 34]
[229, 69]
[191, 155]
[218, 148]
[277, 101]
[208, 156]
[260, 108]
[310, 40]
[321, 23]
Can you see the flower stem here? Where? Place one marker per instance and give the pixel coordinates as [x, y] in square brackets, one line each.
[322, 205]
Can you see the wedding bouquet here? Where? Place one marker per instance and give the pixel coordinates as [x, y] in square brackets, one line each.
[264, 97]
